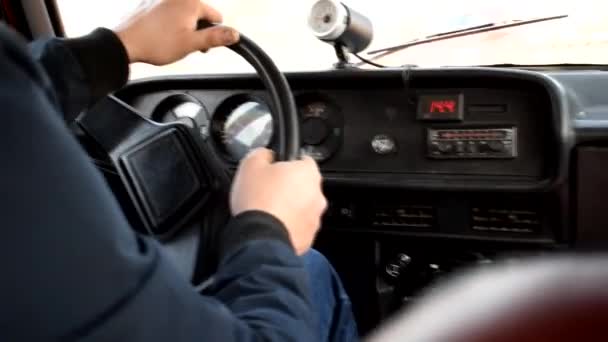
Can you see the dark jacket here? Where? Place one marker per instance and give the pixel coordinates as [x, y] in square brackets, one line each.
[72, 267]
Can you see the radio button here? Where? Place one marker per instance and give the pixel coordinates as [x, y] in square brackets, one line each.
[497, 146]
[483, 147]
[472, 147]
[445, 147]
[460, 147]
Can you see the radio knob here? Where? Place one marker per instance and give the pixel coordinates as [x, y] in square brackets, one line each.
[434, 148]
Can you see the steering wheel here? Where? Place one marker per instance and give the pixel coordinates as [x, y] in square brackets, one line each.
[165, 174]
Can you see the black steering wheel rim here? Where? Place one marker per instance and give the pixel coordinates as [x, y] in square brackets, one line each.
[283, 105]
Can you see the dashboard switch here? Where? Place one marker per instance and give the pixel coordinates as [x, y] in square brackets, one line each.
[384, 144]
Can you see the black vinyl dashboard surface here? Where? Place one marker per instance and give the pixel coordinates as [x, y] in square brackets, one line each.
[365, 105]
[549, 194]
[381, 174]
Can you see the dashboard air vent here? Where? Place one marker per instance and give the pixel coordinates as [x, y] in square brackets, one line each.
[505, 220]
[405, 216]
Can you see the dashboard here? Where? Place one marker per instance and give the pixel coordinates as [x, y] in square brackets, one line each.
[374, 128]
[457, 153]
[443, 166]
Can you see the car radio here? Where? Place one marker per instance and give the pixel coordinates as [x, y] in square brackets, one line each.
[477, 143]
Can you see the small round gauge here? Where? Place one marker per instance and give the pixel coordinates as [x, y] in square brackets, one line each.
[243, 124]
[185, 109]
[321, 125]
[328, 19]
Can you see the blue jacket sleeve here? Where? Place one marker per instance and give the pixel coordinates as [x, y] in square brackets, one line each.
[73, 269]
[82, 70]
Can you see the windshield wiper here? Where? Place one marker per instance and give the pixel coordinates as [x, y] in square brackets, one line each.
[467, 31]
[550, 67]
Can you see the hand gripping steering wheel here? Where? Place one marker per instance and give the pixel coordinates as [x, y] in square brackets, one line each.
[164, 174]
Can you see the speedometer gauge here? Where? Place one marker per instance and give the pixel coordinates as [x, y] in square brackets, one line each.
[247, 127]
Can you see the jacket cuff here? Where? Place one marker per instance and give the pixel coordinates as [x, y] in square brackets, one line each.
[104, 60]
[249, 226]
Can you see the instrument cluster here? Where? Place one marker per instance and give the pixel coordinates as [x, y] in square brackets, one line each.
[244, 122]
[460, 132]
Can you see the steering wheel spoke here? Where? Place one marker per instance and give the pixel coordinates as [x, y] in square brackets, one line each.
[163, 168]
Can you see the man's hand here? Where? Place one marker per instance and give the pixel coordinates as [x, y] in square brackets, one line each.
[164, 31]
[291, 191]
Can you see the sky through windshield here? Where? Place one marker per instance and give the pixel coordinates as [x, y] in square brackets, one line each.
[279, 26]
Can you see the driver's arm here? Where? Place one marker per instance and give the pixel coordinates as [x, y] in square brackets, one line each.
[83, 70]
[73, 268]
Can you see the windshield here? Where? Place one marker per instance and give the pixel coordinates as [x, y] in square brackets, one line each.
[280, 27]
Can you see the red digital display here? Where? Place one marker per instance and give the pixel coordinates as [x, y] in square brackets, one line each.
[443, 106]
